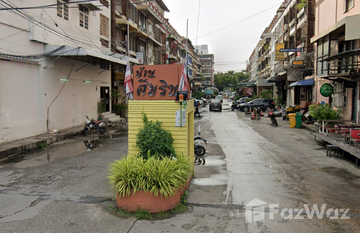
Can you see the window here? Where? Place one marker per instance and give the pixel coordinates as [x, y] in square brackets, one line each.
[142, 22]
[63, 9]
[84, 16]
[104, 26]
[348, 4]
[150, 29]
[322, 53]
[208, 63]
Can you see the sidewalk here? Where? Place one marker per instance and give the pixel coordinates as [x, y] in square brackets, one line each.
[12, 149]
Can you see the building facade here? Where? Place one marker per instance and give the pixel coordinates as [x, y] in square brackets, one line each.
[57, 64]
[337, 40]
[207, 61]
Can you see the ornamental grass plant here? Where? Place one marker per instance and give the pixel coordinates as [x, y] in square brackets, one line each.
[159, 176]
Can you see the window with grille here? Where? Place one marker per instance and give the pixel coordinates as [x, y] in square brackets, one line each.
[63, 9]
[84, 16]
[104, 26]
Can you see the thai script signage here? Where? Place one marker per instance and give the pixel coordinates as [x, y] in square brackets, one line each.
[156, 82]
[279, 56]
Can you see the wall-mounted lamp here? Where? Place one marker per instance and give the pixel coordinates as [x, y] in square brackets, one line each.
[64, 79]
[87, 81]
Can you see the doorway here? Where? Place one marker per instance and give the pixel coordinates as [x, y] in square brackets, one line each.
[105, 96]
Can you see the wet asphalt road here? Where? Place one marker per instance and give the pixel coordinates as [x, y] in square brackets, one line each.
[279, 169]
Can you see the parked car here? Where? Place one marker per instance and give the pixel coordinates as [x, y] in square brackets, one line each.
[215, 104]
[243, 99]
[219, 97]
[263, 104]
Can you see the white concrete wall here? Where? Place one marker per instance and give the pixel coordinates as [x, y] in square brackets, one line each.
[27, 91]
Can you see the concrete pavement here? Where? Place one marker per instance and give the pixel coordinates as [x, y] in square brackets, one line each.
[14, 149]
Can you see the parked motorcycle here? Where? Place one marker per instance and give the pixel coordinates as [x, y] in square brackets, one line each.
[93, 125]
[199, 151]
[272, 117]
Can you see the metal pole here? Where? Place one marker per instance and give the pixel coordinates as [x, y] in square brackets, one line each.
[128, 41]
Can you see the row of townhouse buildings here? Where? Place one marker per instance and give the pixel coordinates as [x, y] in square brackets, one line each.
[310, 43]
[59, 58]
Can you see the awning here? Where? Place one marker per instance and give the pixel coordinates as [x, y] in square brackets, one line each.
[306, 82]
[67, 51]
[352, 31]
[278, 78]
[263, 83]
[247, 84]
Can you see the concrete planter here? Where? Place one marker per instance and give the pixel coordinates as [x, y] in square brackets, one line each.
[147, 201]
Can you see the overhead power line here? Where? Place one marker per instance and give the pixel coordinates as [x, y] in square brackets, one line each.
[239, 21]
[55, 5]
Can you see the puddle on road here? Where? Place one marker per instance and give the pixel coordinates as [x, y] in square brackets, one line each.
[45, 157]
[64, 149]
[213, 180]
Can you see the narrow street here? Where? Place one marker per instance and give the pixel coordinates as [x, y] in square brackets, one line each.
[64, 187]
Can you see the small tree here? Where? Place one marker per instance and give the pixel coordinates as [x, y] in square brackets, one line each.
[266, 94]
[101, 108]
[152, 140]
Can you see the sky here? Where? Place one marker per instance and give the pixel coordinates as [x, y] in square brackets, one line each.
[230, 28]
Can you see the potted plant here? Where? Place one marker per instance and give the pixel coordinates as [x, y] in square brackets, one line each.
[154, 184]
[155, 179]
[101, 108]
[322, 112]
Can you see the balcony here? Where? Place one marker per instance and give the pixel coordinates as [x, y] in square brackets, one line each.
[292, 31]
[292, 23]
[302, 21]
[286, 27]
[301, 13]
[133, 27]
[149, 10]
[286, 37]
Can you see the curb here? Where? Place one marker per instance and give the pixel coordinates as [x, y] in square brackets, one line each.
[16, 149]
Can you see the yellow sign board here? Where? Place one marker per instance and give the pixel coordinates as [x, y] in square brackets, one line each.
[279, 56]
[298, 63]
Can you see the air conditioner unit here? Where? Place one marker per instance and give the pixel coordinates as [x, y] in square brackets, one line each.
[339, 87]
[338, 100]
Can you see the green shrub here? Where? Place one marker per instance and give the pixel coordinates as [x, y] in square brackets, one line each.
[198, 95]
[324, 112]
[266, 94]
[159, 176]
[154, 139]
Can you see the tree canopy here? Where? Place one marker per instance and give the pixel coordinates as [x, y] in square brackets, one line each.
[229, 80]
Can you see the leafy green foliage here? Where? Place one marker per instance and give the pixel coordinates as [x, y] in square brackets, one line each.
[198, 95]
[41, 145]
[154, 140]
[229, 79]
[101, 107]
[159, 176]
[184, 197]
[143, 214]
[120, 108]
[322, 112]
[266, 94]
[301, 5]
